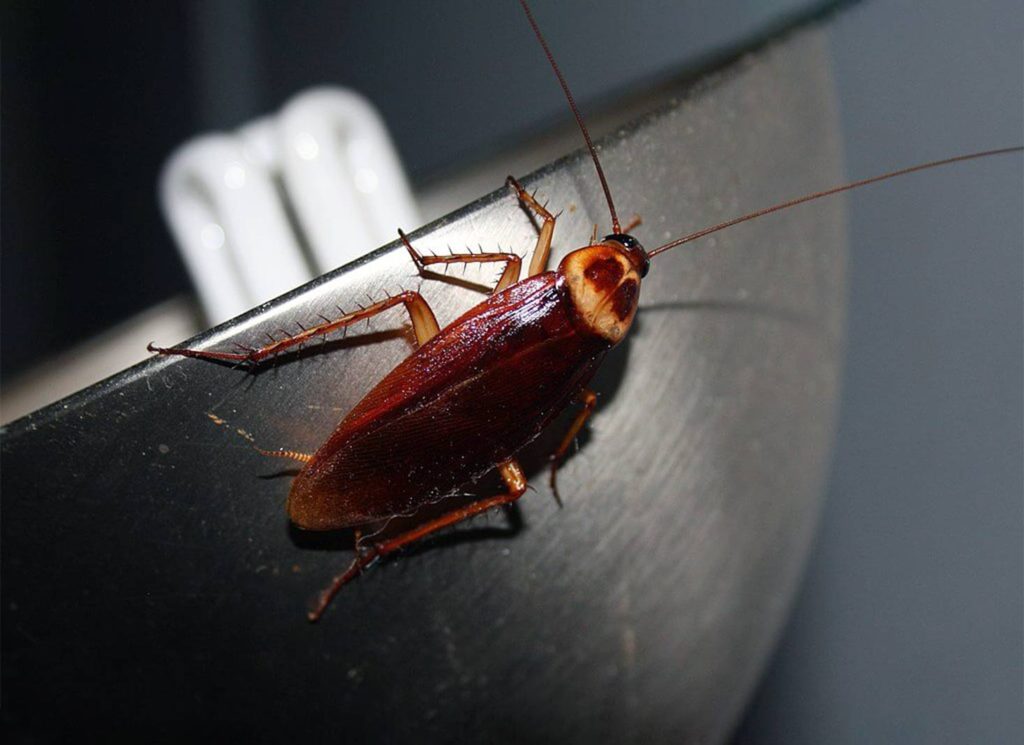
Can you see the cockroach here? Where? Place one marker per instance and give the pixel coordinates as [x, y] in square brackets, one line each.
[474, 393]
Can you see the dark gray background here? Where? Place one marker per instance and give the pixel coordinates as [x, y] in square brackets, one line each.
[908, 628]
[909, 625]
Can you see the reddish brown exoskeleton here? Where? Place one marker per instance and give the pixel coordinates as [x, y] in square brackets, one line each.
[476, 392]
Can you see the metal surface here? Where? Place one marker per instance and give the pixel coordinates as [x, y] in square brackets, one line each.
[151, 581]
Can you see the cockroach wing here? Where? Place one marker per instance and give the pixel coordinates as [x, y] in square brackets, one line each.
[467, 399]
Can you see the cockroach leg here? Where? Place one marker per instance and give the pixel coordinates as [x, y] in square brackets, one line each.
[358, 545]
[539, 261]
[423, 323]
[508, 277]
[589, 400]
[289, 454]
[515, 481]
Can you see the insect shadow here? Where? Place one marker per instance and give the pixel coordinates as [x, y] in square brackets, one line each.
[343, 540]
[740, 307]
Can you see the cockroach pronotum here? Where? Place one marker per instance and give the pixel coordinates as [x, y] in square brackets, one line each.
[474, 393]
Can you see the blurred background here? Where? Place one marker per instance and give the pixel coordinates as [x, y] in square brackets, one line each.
[908, 627]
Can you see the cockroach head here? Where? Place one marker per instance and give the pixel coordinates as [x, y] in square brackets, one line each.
[633, 249]
[604, 284]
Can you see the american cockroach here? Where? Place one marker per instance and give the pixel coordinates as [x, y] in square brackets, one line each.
[474, 393]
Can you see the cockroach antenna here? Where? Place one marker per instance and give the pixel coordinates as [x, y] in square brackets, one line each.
[743, 218]
[576, 112]
[827, 193]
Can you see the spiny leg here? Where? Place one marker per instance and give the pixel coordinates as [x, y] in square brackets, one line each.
[539, 261]
[289, 454]
[515, 481]
[423, 322]
[508, 277]
[279, 453]
[589, 400]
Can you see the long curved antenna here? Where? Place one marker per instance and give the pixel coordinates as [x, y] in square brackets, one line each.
[576, 113]
[826, 193]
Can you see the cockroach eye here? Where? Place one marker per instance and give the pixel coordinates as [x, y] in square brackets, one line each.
[636, 252]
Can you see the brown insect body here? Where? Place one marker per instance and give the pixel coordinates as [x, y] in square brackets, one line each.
[473, 395]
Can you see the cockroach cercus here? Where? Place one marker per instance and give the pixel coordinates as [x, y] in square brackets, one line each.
[474, 393]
